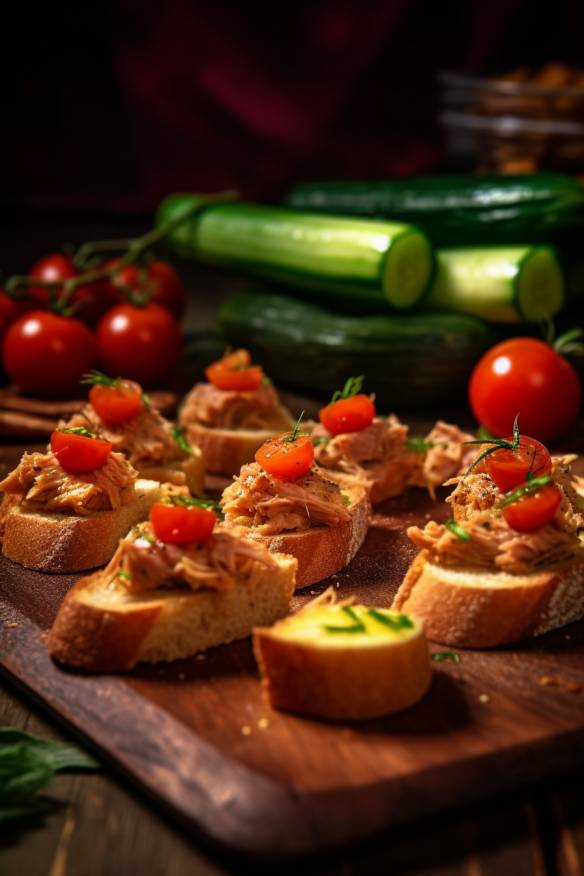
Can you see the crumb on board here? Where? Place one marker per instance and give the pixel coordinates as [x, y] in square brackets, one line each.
[573, 687]
[484, 698]
[263, 723]
[200, 657]
[566, 685]
[10, 625]
[246, 730]
[548, 681]
[182, 676]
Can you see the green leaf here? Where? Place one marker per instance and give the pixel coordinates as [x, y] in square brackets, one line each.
[353, 386]
[457, 529]
[418, 444]
[61, 755]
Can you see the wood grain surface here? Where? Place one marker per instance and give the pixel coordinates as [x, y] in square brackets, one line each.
[198, 736]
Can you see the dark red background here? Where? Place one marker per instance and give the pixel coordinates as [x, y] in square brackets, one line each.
[114, 104]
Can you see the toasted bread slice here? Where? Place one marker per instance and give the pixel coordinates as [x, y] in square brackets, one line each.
[68, 543]
[105, 629]
[324, 550]
[226, 450]
[307, 668]
[479, 609]
[182, 472]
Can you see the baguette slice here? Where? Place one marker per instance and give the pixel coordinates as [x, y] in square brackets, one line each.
[354, 675]
[324, 550]
[226, 450]
[182, 472]
[475, 609]
[102, 629]
[68, 543]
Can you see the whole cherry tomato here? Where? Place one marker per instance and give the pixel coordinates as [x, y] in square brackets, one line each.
[510, 468]
[181, 524]
[235, 372]
[89, 302]
[159, 280]
[534, 509]
[46, 354]
[114, 400]
[78, 452]
[528, 377]
[348, 414]
[286, 457]
[143, 343]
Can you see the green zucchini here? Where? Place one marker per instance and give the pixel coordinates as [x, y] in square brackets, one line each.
[412, 360]
[499, 284]
[459, 210]
[372, 262]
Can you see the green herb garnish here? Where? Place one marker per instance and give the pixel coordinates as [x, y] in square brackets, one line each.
[533, 485]
[395, 622]
[147, 401]
[139, 532]
[346, 499]
[98, 378]
[77, 430]
[181, 440]
[125, 576]
[441, 656]
[356, 627]
[421, 445]
[320, 440]
[295, 433]
[351, 388]
[192, 502]
[496, 444]
[27, 764]
[485, 435]
[457, 529]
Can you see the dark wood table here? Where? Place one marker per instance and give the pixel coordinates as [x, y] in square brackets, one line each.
[103, 827]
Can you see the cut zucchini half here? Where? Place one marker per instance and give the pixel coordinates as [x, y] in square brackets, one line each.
[539, 285]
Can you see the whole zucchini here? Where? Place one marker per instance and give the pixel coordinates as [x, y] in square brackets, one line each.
[353, 260]
[458, 210]
[410, 361]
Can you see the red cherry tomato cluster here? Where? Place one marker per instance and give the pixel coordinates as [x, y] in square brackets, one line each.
[45, 352]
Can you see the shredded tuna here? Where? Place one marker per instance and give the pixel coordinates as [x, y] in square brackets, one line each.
[493, 544]
[447, 455]
[257, 499]
[143, 564]
[42, 485]
[145, 440]
[473, 493]
[208, 406]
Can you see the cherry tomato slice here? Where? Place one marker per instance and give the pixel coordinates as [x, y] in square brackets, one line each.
[284, 459]
[235, 372]
[117, 404]
[534, 510]
[348, 414]
[175, 524]
[79, 453]
[509, 468]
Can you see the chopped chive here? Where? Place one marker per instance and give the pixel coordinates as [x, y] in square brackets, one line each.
[98, 378]
[77, 430]
[146, 401]
[395, 622]
[346, 499]
[320, 440]
[352, 386]
[458, 530]
[181, 440]
[441, 656]
[417, 444]
[124, 575]
[295, 433]
[532, 487]
[192, 502]
[356, 627]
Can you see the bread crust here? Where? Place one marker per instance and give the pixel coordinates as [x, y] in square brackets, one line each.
[473, 609]
[324, 550]
[99, 631]
[342, 683]
[226, 450]
[69, 543]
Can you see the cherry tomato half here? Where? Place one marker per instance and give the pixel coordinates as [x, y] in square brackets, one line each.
[176, 524]
[79, 453]
[348, 414]
[534, 510]
[527, 377]
[509, 468]
[235, 372]
[46, 354]
[284, 459]
[143, 343]
[117, 403]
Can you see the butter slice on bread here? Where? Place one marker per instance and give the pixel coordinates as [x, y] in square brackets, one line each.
[310, 666]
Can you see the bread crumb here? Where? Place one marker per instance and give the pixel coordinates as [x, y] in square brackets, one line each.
[246, 730]
[200, 657]
[10, 625]
[567, 637]
[263, 723]
[484, 698]
[548, 681]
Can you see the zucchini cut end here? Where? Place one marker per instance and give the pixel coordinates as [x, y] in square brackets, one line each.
[539, 285]
[408, 269]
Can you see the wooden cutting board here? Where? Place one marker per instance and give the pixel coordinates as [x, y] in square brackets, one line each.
[198, 737]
